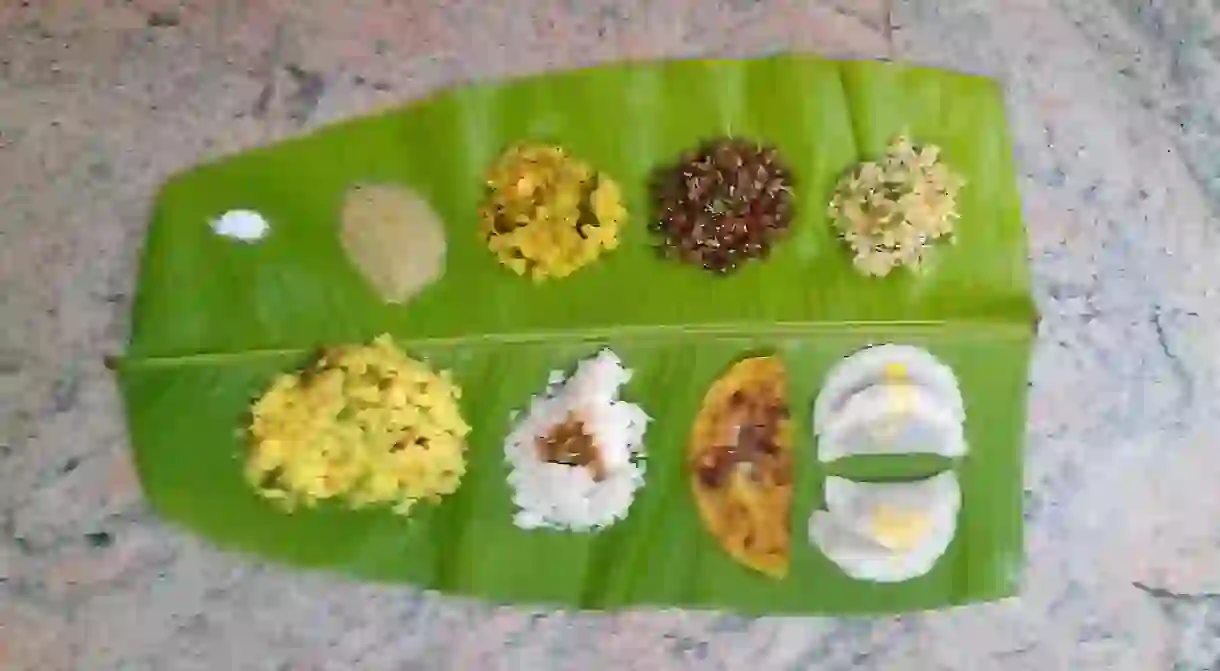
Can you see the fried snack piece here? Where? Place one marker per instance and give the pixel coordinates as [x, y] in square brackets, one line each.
[740, 459]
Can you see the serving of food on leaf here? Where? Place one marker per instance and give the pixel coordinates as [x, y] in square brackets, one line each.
[740, 458]
[548, 214]
[576, 455]
[763, 295]
[363, 425]
[723, 204]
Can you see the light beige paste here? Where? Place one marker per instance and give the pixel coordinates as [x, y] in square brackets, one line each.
[394, 237]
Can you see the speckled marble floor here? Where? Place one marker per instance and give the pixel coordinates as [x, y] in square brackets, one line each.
[1114, 111]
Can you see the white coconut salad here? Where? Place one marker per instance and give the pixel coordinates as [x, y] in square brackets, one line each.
[576, 455]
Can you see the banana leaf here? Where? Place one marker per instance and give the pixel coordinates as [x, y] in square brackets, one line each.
[215, 321]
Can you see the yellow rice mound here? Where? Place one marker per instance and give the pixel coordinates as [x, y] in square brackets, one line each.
[547, 214]
[364, 425]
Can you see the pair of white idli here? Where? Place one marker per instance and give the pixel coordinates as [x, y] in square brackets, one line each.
[888, 399]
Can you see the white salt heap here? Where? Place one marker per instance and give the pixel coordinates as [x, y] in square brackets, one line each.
[244, 225]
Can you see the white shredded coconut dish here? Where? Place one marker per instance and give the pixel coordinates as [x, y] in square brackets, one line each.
[576, 457]
[243, 225]
[890, 211]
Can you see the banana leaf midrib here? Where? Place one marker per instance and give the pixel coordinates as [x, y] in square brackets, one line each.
[635, 334]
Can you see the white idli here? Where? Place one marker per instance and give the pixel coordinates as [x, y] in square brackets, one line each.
[887, 532]
[892, 419]
[886, 363]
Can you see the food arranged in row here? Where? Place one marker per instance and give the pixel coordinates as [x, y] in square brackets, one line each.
[547, 214]
[369, 425]
[888, 399]
[726, 202]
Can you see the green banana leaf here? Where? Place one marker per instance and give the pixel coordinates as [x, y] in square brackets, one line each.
[215, 320]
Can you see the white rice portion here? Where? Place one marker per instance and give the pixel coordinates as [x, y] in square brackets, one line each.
[559, 496]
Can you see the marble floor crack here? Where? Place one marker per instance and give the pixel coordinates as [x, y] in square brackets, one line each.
[1163, 593]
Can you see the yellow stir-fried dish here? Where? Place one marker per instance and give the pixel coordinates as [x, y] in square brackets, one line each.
[548, 214]
[364, 425]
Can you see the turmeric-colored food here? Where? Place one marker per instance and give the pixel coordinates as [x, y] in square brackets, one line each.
[740, 464]
[363, 425]
[548, 214]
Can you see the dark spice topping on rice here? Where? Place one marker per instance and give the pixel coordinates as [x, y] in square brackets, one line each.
[569, 444]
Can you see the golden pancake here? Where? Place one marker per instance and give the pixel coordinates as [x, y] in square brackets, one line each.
[740, 460]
